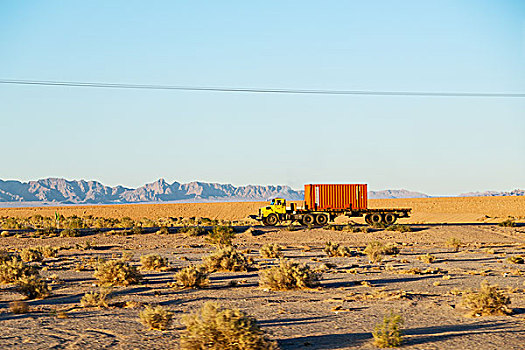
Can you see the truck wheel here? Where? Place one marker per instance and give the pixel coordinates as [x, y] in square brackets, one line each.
[389, 218]
[308, 219]
[271, 220]
[368, 220]
[321, 219]
[376, 218]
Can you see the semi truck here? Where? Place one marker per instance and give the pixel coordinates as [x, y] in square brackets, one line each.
[324, 202]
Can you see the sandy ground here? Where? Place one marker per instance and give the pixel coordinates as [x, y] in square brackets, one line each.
[340, 315]
[424, 210]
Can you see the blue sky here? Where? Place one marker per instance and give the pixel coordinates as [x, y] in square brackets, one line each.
[437, 145]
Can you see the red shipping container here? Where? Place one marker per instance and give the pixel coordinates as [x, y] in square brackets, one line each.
[335, 197]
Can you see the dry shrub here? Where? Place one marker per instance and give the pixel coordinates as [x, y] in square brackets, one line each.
[270, 250]
[48, 251]
[116, 272]
[454, 243]
[507, 223]
[335, 249]
[375, 250]
[191, 277]
[399, 228]
[153, 262]
[289, 275]
[489, 300]
[33, 287]
[13, 268]
[163, 231]
[192, 231]
[30, 254]
[291, 228]
[18, 307]
[95, 299]
[428, 258]
[227, 259]
[221, 236]
[214, 328]
[157, 317]
[70, 232]
[516, 259]
[388, 334]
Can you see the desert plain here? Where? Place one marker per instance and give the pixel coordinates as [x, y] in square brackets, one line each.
[353, 295]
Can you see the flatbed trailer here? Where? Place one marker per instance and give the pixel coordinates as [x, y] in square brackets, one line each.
[323, 203]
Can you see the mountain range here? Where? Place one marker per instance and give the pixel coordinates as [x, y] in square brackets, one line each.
[62, 191]
[493, 193]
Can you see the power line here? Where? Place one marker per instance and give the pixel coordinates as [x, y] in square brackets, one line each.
[259, 90]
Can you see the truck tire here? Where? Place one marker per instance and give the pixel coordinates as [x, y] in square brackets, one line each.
[367, 219]
[321, 219]
[271, 220]
[308, 219]
[376, 218]
[389, 218]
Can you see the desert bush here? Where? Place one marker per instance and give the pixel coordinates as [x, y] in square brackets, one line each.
[95, 299]
[137, 230]
[291, 227]
[191, 277]
[489, 300]
[30, 254]
[454, 243]
[214, 328]
[145, 222]
[335, 249]
[428, 258]
[192, 231]
[507, 223]
[221, 236]
[163, 231]
[48, 251]
[70, 232]
[378, 225]
[227, 259]
[126, 222]
[157, 317]
[375, 251]
[13, 268]
[33, 286]
[516, 259]
[388, 334]
[153, 262]
[5, 234]
[18, 307]
[399, 228]
[116, 272]
[270, 250]
[289, 275]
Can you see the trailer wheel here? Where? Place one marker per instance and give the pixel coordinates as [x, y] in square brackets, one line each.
[368, 219]
[308, 219]
[389, 218]
[271, 220]
[376, 218]
[321, 219]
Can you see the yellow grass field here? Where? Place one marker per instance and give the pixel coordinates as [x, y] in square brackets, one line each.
[424, 210]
